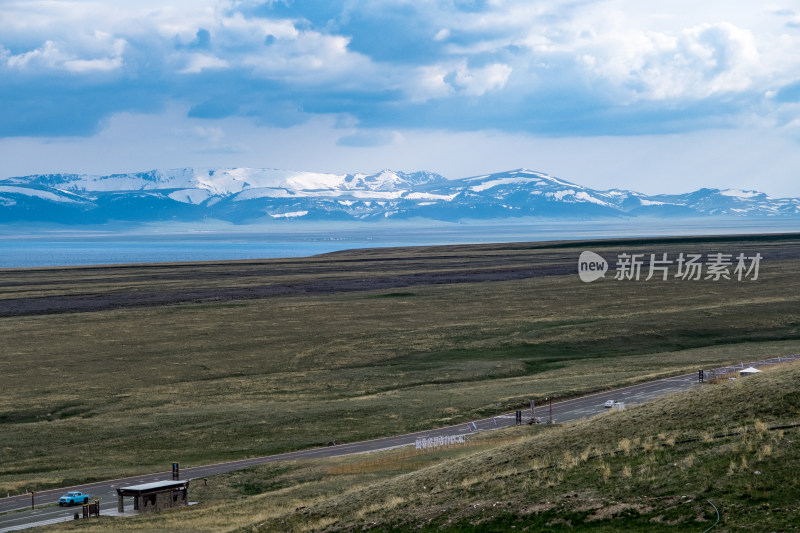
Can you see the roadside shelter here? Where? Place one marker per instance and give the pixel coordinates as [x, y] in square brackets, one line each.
[155, 496]
[749, 371]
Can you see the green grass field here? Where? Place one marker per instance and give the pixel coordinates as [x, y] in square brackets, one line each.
[650, 468]
[656, 467]
[117, 391]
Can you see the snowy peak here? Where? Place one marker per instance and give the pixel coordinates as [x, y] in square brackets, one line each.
[388, 180]
[520, 178]
[152, 180]
[523, 181]
[738, 193]
[229, 181]
[243, 195]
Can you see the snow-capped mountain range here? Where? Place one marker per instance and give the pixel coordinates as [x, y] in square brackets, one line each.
[245, 195]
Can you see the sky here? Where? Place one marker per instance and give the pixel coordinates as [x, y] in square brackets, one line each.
[658, 97]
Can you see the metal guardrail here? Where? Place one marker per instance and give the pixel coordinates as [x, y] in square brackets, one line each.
[709, 374]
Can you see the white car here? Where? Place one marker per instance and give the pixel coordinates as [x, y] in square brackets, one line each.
[609, 403]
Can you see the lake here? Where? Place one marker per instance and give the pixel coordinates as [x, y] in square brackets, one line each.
[21, 248]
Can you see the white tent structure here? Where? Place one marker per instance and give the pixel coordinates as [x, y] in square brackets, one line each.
[749, 371]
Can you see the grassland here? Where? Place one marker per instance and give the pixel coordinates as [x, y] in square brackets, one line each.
[664, 466]
[122, 370]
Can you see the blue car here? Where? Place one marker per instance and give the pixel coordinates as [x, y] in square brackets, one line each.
[73, 498]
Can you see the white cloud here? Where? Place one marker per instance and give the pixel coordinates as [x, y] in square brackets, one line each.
[63, 20]
[115, 50]
[199, 62]
[430, 83]
[96, 52]
[655, 53]
[478, 81]
[311, 56]
[678, 50]
[441, 35]
[48, 55]
[272, 47]
[600, 55]
[235, 30]
[698, 62]
[440, 81]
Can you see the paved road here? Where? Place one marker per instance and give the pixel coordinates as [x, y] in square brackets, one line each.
[563, 411]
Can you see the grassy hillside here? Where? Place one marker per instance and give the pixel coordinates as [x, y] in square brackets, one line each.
[130, 368]
[654, 467]
[647, 469]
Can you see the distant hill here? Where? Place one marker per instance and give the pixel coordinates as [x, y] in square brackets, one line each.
[245, 195]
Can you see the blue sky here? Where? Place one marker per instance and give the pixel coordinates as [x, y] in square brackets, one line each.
[658, 97]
